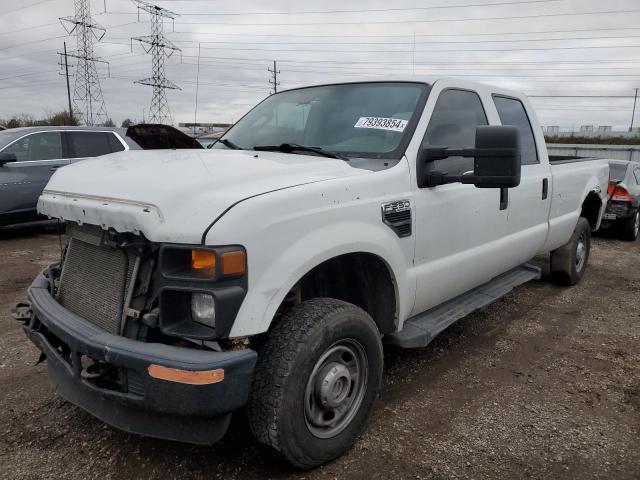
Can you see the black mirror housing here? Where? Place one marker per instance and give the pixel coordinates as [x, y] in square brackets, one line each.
[7, 158]
[497, 157]
[496, 160]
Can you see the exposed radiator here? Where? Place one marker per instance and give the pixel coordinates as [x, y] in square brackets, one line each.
[94, 281]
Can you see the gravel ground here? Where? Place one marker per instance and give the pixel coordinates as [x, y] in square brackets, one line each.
[543, 384]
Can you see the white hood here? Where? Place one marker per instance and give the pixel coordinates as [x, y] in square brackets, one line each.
[174, 195]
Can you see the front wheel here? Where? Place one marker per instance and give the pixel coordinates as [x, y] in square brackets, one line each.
[629, 227]
[317, 377]
[569, 262]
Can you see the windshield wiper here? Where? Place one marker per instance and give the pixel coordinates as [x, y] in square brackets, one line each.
[229, 144]
[294, 147]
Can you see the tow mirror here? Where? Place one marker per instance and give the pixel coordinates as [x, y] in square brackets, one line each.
[496, 160]
[7, 158]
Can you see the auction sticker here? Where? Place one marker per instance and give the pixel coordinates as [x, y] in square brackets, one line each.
[382, 123]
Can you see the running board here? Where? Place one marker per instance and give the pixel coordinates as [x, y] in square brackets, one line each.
[418, 331]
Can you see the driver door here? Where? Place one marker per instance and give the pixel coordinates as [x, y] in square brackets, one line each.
[459, 228]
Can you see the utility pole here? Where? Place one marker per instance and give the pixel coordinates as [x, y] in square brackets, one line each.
[195, 113]
[87, 94]
[66, 74]
[159, 47]
[274, 77]
[633, 114]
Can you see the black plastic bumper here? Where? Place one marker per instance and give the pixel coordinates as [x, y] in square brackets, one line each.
[147, 406]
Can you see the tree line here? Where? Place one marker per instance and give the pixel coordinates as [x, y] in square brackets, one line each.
[61, 118]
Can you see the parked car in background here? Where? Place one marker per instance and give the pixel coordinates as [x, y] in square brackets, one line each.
[622, 211]
[30, 155]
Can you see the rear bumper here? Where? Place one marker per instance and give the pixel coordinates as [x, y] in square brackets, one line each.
[144, 405]
[618, 211]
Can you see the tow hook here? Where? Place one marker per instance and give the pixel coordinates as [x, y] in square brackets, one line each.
[21, 312]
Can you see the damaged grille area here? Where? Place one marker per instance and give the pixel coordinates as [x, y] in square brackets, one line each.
[95, 279]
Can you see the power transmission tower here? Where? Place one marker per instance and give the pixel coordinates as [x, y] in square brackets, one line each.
[159, 47]
[87, 94]
[274, 77]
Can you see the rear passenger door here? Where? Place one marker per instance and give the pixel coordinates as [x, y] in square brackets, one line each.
[87, 144]
[38, 156]
[529, 203]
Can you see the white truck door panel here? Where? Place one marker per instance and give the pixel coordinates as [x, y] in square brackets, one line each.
[457, 226]
[529, 202]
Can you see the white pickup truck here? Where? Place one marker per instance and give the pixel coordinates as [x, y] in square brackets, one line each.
[269, 270]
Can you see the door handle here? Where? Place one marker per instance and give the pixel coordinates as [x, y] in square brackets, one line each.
[545, 188]
[504, 198]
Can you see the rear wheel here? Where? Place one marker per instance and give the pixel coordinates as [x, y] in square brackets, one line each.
[317, 377]
[569, 262]
[629, 227]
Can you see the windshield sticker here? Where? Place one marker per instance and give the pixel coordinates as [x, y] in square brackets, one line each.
[382, 123]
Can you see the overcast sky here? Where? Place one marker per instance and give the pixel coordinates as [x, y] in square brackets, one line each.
[552, 47]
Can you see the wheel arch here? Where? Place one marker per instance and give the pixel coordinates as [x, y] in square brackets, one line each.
[592, 209]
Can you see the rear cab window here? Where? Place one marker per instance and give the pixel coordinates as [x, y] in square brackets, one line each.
[512, 112]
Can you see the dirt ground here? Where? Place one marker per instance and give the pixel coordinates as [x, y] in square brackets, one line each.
[543, 384]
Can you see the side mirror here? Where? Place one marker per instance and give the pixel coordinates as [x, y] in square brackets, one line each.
[7, 158]
[496, 160]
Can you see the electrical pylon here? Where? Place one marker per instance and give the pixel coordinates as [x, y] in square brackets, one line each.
[87, 94]
[160, 48]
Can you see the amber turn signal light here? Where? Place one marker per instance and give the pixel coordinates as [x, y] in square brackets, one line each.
[190, 377]
[203, 262]
[234, 263]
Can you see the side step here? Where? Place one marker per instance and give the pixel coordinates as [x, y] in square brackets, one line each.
[418, 331]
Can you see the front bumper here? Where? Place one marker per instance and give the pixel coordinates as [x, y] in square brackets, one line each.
[148, 406]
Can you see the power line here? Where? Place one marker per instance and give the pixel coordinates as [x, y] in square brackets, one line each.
[29, 28]
[429, 42]
[23, 7]
[361, 10]
[531, 32]
[435, 20]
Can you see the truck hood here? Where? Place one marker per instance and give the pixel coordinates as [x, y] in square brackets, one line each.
[174, 195]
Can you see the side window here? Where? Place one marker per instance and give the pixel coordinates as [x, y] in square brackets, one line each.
[115, 143]
[37, 146]
[636, 173]
[453, 124]
[512, 112]
[89, 144]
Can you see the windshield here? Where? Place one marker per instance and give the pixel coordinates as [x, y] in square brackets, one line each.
[373, 120]
[617, 171]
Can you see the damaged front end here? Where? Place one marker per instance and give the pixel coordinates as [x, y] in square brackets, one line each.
[122, 341]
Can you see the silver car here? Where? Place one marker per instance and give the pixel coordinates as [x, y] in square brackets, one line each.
[622, 211]
[30, 155]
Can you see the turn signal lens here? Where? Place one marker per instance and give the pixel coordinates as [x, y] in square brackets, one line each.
[202, 377]
[234, 263]
[203, 262]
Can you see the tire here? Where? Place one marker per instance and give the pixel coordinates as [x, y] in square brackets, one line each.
[285, 407]
[629, 227]
[569, 262]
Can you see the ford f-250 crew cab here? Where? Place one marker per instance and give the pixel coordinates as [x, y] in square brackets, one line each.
[268, 270]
